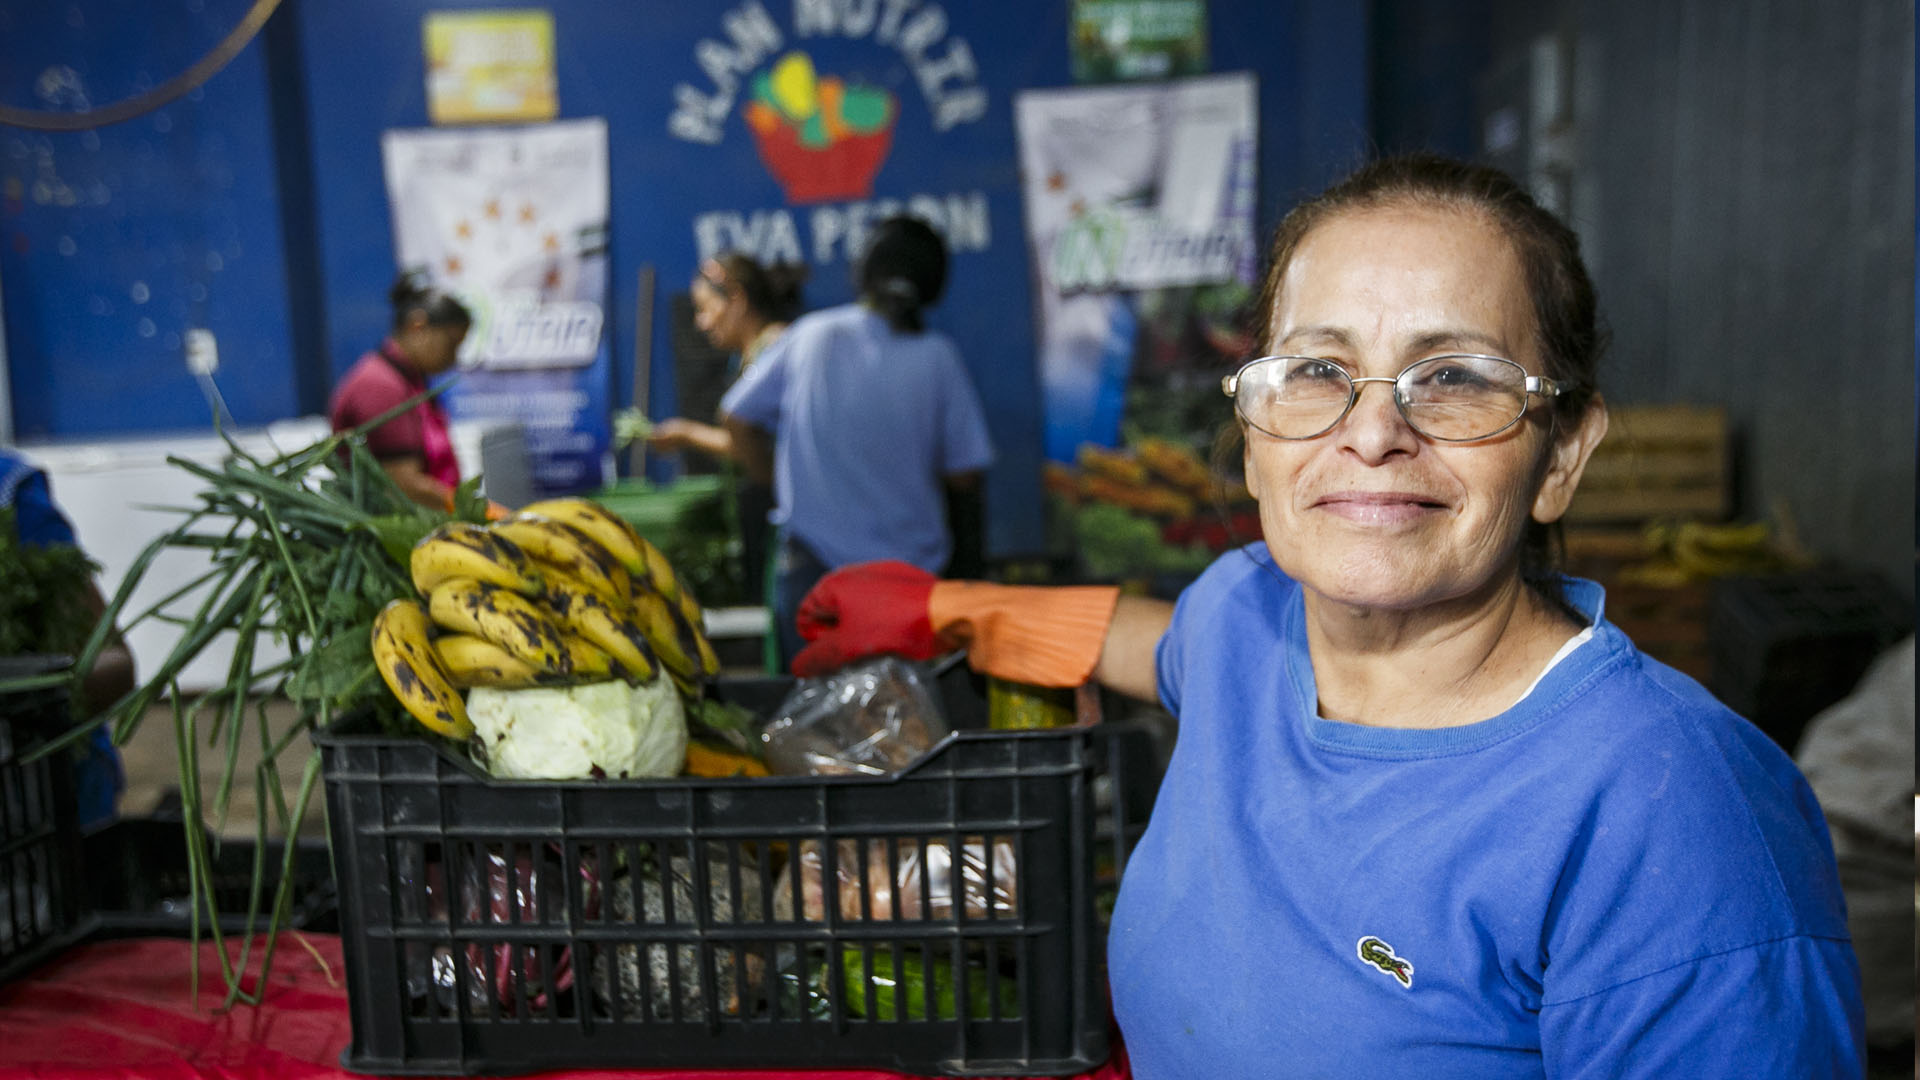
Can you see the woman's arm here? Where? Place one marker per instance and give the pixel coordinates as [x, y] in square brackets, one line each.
[752, 448]
[410, 475]
[1126, 659]
[679, 433]
[111, 676]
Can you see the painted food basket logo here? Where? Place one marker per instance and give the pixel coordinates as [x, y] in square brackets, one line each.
[820, 138]
[824, 137]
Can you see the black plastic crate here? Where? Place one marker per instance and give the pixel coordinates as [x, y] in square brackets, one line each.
[138, 883]
[499, 927]
[1788, 645]
[40, 894]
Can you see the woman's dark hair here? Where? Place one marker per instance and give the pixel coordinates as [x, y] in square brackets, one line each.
[903, 271]
[414, 291]
[772, 292]
[1566, 319]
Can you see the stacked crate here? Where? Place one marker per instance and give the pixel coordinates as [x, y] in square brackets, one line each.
[1657, 461]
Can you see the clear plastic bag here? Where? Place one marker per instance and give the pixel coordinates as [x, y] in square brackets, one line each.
[873, 718]
[528, 890]
[988, 877]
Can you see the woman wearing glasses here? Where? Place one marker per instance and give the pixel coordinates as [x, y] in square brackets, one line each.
[1429, 812]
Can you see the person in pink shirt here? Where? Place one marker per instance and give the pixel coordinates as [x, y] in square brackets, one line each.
[415, 447]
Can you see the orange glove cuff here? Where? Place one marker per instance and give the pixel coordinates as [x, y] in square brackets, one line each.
[1047, 636]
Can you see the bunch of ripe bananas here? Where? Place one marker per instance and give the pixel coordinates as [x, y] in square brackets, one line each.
[563, 591]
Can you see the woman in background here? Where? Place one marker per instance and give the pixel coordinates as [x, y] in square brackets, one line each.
[741, 307]
[415, 447]
[38, 522]
[878, 438]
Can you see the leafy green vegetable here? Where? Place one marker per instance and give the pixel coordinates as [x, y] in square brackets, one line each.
[305, 548]
[43, 594]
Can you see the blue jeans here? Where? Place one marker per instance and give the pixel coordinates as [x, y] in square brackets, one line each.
[796, 570]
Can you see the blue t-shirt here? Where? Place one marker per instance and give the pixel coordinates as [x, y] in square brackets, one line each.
[867, 422]
[1616, 877]
[98, 778]
[24, 489]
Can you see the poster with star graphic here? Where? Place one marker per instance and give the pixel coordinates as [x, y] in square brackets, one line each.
[513, 221]
[1129, 191]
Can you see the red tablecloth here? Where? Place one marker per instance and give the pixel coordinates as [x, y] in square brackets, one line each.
[121, 1010]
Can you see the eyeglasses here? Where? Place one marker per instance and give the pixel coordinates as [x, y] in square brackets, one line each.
[1459, 397]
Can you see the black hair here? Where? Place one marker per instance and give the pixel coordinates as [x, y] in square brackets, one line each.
[415, 291]
[903, 271]
[772, 291]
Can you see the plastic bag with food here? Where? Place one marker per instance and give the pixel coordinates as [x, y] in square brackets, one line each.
[493, 888]
[682, 974]
[873, 718]
[919, 882]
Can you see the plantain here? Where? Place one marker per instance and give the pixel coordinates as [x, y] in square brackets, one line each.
[558, 547]
[507, 619]
[660, 621]
[590, 661]
[470, 661]
[607, 528]
[589, 616]
[644, 562]
[462, 550]
[410, 668]
[693, 631]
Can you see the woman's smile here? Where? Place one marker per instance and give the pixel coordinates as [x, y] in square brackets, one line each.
[1380, 508]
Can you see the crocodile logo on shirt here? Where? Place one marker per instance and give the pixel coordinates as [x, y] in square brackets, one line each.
[1380, 955]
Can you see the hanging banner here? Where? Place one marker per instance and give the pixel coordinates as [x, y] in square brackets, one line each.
[487, 66]
[513, 221]
[1130, 190]
[1116, 40]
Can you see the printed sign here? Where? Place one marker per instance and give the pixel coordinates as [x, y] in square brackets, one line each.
[514, 222]
[824, 135]
[490, 66]
[1127, 188]
[1115, 40]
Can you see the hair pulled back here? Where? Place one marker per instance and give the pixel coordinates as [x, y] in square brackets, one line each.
[903, 271]
[772, 291]
[415, 291]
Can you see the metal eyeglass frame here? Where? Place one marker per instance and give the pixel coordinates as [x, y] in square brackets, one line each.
[1532, 384]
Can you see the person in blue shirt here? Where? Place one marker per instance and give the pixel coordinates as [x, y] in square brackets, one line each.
[39, 522]
[1428, 813]
[877, 437]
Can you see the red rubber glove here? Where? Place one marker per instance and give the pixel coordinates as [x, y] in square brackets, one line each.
[864, 610]
[1032, 634]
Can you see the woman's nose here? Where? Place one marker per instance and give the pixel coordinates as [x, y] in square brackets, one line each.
[1374, 427]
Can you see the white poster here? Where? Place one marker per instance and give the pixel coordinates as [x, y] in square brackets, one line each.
[1127, 188]
[514, 222]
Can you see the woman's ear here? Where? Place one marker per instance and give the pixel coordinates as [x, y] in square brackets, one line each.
[1567, 459]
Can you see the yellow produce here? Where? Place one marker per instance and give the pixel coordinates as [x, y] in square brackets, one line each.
[474, 661]
[407, 664]
[590, 661]
[511, 621]
[794, 87]
[461, 550]
[615, 632]
[557, 547]
[713, 762]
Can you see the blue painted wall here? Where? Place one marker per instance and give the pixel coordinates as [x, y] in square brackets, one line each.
[113, 242]
[229, 186]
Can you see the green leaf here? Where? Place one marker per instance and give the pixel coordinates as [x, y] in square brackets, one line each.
[468, 505]
[335, 667]
[399, 532]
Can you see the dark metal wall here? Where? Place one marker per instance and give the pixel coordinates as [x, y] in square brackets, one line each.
[1743, 174]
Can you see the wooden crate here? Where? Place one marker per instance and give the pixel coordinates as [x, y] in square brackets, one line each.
[1657, 461]
[1668, 623]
